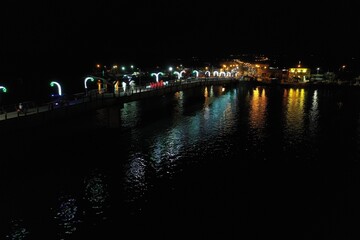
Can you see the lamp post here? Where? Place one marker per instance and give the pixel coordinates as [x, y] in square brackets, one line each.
[179, 74]
[3, 89]
[139, 74]
[157, 75]
[317, 70]
[85, 82]
[170, 71]
[53, 83]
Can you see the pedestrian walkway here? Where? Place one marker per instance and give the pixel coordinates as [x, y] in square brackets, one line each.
[94, 98]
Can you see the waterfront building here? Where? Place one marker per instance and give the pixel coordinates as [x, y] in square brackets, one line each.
[299, 74]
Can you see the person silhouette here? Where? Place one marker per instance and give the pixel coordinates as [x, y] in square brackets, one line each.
[20, 108]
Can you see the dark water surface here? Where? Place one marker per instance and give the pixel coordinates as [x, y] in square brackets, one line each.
[241, 162]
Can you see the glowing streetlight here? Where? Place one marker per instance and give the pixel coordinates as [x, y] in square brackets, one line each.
[3, 89]
[317, 70]
[85, 82]
[87, 79]
[157, 75]
[179, 73]
[58, 86]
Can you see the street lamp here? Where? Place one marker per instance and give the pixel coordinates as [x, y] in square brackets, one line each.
[3, 89]
[157, 75]
[53, 83]
[179, 73]
[317, 70]
[85, 82]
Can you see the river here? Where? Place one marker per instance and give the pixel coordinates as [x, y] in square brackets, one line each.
[228, 162]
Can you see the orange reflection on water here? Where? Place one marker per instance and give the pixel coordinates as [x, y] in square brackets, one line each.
[258, 108]
[206, 92]
[295, 109]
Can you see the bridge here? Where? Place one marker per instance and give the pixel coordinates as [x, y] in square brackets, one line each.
[76, 104]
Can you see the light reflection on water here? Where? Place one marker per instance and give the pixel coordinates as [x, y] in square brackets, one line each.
[314, 114]
[96, 195]
[163, 145]
[67, 216]
[188, 136]
[135, 183]
[257, 115]
[294, 110]
[17, 231]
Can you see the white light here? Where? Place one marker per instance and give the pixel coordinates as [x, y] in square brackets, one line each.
[157, 75]
[58, 85]
[3, 89]
[86, 79]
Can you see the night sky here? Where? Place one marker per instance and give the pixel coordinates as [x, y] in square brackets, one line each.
[58, 35]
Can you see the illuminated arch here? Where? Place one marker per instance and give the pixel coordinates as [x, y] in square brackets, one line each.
[222, 73]
[196, 73]
[215, 73]
[207, 72]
